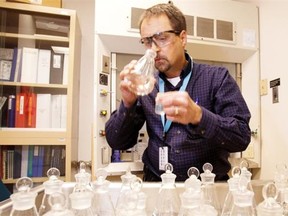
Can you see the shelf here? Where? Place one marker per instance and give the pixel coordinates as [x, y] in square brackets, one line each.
[38, 85]
[44, 117]
[35, 37]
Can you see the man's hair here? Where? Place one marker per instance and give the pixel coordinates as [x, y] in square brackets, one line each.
[175, 16]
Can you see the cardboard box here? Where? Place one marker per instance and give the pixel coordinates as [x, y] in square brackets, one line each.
[50, 3]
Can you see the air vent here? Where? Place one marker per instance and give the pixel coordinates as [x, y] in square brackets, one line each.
[205, 27]
[135, 16]
[197, 27]
[190, 25]
[224, 30]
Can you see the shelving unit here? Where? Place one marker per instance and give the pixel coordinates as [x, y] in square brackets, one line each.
[41, 28]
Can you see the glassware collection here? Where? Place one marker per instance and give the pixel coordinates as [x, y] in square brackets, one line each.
[199, 197]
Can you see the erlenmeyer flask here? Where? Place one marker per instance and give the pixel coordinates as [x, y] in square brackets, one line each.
[168, 201]
[57, 201]
[52, 185]
[244, 165]
[135, 200]
[126, 179]
[281, 182]
[83, 179]
[243, 199]
[209, 190]
[233, 186]
[24, 200]
[102, 203]
[269, 206]
[191, 197]
[142, 78]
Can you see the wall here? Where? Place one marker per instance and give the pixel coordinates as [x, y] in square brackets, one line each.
[273, 65]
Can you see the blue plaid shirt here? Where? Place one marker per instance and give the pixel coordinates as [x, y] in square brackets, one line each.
[224, 126]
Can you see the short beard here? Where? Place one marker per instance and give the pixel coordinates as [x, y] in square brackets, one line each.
[163, 67]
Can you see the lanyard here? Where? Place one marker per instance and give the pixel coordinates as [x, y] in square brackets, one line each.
[167, 125]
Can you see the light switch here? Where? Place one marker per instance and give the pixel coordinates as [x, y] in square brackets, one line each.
[264, 87]
[105, 64]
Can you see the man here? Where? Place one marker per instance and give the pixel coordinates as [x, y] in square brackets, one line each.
[206, 116]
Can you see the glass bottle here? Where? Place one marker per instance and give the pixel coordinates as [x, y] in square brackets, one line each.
[126, 180]
[209, 190]
[102, 203]
[244, 165]
[243, 200]
[281, 182]
[142, 77]
[168, 200]
[83, 179]
[233, 186]
[52, 185]
[135, 200]
[24, 200]
[191, 197]
[57, 201]
[269, 206]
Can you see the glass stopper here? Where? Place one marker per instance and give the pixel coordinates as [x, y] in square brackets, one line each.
[193, 171]
[244, 164]
[207, 167]
[270, 191]
[236, 171]
[101, 173]
[24, 184]
[53, 173]
[168, 167]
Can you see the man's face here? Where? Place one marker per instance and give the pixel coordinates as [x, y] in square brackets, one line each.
[168, 44]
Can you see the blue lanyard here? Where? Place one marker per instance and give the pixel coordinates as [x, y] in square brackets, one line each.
[167, 125]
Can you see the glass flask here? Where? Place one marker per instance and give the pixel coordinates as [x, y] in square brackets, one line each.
[102, 203]
[126, 180]
[52, 185]
[208, 187]
[233, 186]
[142, 78]
[269, 206]
[24, 200]
[134, 199]
[57, 201]
[281, 182]
[243, 200]
[83, 179]
[81, 203]
[191, 197]
[168, 200]
[244, 165]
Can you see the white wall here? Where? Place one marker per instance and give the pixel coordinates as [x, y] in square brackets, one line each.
[273, 65]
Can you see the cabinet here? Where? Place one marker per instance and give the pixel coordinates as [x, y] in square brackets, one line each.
[39, 72]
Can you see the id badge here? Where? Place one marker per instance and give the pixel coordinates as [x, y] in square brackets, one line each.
[163, 157]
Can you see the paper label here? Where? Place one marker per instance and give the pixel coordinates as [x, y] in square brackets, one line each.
[163, 157]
